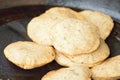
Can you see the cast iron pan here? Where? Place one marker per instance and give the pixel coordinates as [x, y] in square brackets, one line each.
[13, 23]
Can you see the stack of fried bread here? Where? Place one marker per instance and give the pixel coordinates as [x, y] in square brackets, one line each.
[79, 45]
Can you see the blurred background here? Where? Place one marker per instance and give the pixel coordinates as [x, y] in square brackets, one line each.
[111, 7]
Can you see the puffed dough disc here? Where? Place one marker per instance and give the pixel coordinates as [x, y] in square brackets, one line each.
[102, 21]
[63, 60]
[71, 73]
[28, 55]
[108, 70]
[39, 28]
[74, 37]
[60, 13]
[90, 59]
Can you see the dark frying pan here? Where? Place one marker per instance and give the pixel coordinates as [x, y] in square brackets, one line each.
[14, 17]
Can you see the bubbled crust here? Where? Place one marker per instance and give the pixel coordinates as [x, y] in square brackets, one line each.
[102, 21]
[71, 73]
[74, 36]
[28, 55]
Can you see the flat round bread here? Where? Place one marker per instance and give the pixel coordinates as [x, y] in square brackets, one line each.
[71, 73]
[39, 28]
[74, 37]
[94, 57]
[90, 59]
[102, 21]
[108, 70]
[28, 55]
[60, 13]
[63, 60]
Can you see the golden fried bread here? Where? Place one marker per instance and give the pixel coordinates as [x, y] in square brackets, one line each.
[61, 13]
[71, 73]
[63, 60]
[108, 70]
[94, 57]
[74, 37]
[28, 55]
[39, 28]
[102, 21]
[90, 59]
